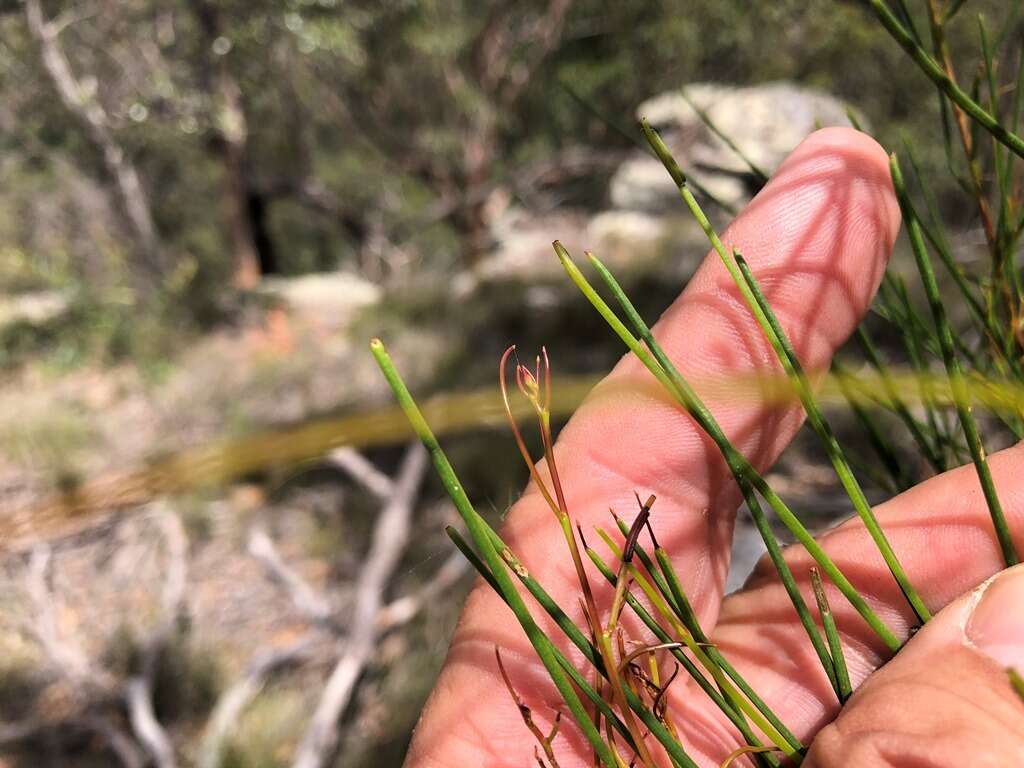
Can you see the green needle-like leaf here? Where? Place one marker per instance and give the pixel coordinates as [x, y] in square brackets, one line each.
[835, 642]
[474, 523]
[953, 370]
[937, 75]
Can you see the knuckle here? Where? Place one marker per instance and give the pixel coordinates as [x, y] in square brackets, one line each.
[932, 714]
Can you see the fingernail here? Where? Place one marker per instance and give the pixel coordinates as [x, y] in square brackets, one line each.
[996, 625]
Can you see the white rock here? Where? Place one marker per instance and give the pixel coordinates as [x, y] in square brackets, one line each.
[619, 236]
[333, 296]
[765, 122]
[36, 308]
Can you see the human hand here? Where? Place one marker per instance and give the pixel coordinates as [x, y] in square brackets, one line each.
[817, 237]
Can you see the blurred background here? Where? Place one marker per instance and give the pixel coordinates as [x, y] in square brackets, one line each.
[216, 548]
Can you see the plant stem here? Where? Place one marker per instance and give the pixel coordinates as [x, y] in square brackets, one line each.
[542, 645]
[728, 690]
[727, 707]
[578, 638]
[956, 378]
[666, 373]
[935, 73]
[733, 459]
[664, 576]
[773, 331]
[687, 615]
[835, 453]
[895, 402]
[880, 445]
[835, 643]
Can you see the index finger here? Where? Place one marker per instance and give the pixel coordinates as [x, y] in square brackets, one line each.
[817, 237]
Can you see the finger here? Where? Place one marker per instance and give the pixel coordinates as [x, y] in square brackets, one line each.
[943, 535]
[818, 237]
[946, 699]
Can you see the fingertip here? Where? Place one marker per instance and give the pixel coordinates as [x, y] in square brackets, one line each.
[863, 160]
[852, 140]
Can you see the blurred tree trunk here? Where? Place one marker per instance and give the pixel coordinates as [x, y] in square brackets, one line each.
[503, 60]
[128, 190]
[240, 196]
[234, 133]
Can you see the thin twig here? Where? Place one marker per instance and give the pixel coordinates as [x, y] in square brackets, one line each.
[231, 704]
[310, 603]
[390, 536]
[138, 691]
[120, 743]
[139, 699]
[403, 609]
[63, 655]
[362, 470]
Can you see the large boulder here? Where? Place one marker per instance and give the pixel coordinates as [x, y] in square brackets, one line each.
[646, 226]
[626, 240]
[765, 122]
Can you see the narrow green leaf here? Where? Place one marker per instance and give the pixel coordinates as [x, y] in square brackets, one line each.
[474, 523]
[723, 704]
[937, 75]
[835, 642]
[820, 425]
[953, 370]
[745, 474]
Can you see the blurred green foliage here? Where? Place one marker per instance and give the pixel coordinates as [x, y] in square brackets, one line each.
[362, 129]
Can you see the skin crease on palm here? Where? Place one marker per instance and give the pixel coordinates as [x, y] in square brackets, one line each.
[818, 238]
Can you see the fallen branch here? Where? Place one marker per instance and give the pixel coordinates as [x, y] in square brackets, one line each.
[360, 469]
[390, 536]
[139, 689]
[233, 702]
[312, 605]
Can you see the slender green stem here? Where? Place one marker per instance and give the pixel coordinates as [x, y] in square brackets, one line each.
[953, 8]
[689, 619]
[577, 637]
[914, 335]
[746, 475]
[664, 576]
[629, 134]
[880, 445]
[935, 73]
[687, 638]
[736, 465]
[820, 425]
[895, 402]
[835, 642]
[773, 331]
[1017, 681]
[957, 382]
[716, 696]
[474, 523]
[655, 572]
[940, 243]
